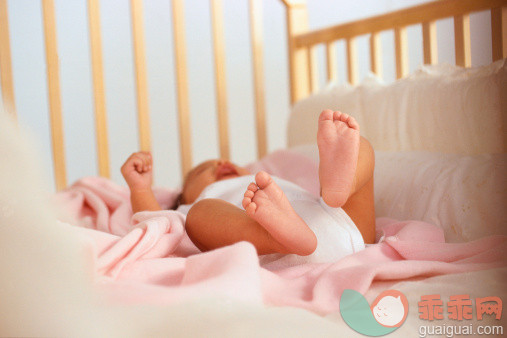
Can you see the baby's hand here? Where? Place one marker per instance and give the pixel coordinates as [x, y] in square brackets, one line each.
[137, 171]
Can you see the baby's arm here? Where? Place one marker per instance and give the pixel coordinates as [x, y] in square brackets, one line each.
[138, 174]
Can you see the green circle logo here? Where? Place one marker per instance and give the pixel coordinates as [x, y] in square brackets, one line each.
[386, 314]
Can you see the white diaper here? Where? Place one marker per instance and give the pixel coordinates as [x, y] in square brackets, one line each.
[337, 235]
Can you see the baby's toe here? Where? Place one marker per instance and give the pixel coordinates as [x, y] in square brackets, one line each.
[353, 123]
[250, 208]
[326, 115]
[341, 117]
[249, 194]
[246, 202]
[263, 179]
[336, 115]
[252, 187]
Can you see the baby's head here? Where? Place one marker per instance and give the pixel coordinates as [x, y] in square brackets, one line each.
[206, 173]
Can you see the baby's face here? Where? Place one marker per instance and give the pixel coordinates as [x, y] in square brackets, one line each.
[206, 173]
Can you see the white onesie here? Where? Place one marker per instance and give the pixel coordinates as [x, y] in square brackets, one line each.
[337, 235]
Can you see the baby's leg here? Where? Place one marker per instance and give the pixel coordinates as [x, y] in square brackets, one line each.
[338, 141]
[269, 222]
[360, 205]
[346, 169]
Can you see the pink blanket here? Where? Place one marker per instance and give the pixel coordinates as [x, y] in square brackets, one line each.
[147, 257]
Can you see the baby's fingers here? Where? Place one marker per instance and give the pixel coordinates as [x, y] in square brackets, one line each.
[147, 160]
[138, 164]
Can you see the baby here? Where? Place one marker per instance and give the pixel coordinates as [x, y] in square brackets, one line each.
[224, 205]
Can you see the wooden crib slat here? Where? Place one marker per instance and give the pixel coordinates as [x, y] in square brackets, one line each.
[351, 60]
[297, 23]
[53, 78]
[499, 32]
[219, 56]
[429, 30]
[400, 40]
[98, 88]
[462, 40]
[5, 61]
[180, 64]
[313, 72]
[376, 54]
[332, 64]
[140, 73]
[258, 75]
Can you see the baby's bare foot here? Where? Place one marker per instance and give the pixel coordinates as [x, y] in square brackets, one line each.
[338, 141]
[267, 204]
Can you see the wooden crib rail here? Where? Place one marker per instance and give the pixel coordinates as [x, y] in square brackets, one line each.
[5, 61]
[180, 71]
[143, 118]
[303, 67]
[180, 68]
[425, 14]
[55, 107]
[98, 88]
[258, 76]
[219, 57]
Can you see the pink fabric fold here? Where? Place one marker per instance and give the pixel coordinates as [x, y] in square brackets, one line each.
[148, 258]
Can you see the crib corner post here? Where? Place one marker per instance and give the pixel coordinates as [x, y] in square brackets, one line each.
[297, 23]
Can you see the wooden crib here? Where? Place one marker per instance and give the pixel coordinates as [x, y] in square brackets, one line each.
[302, 43]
